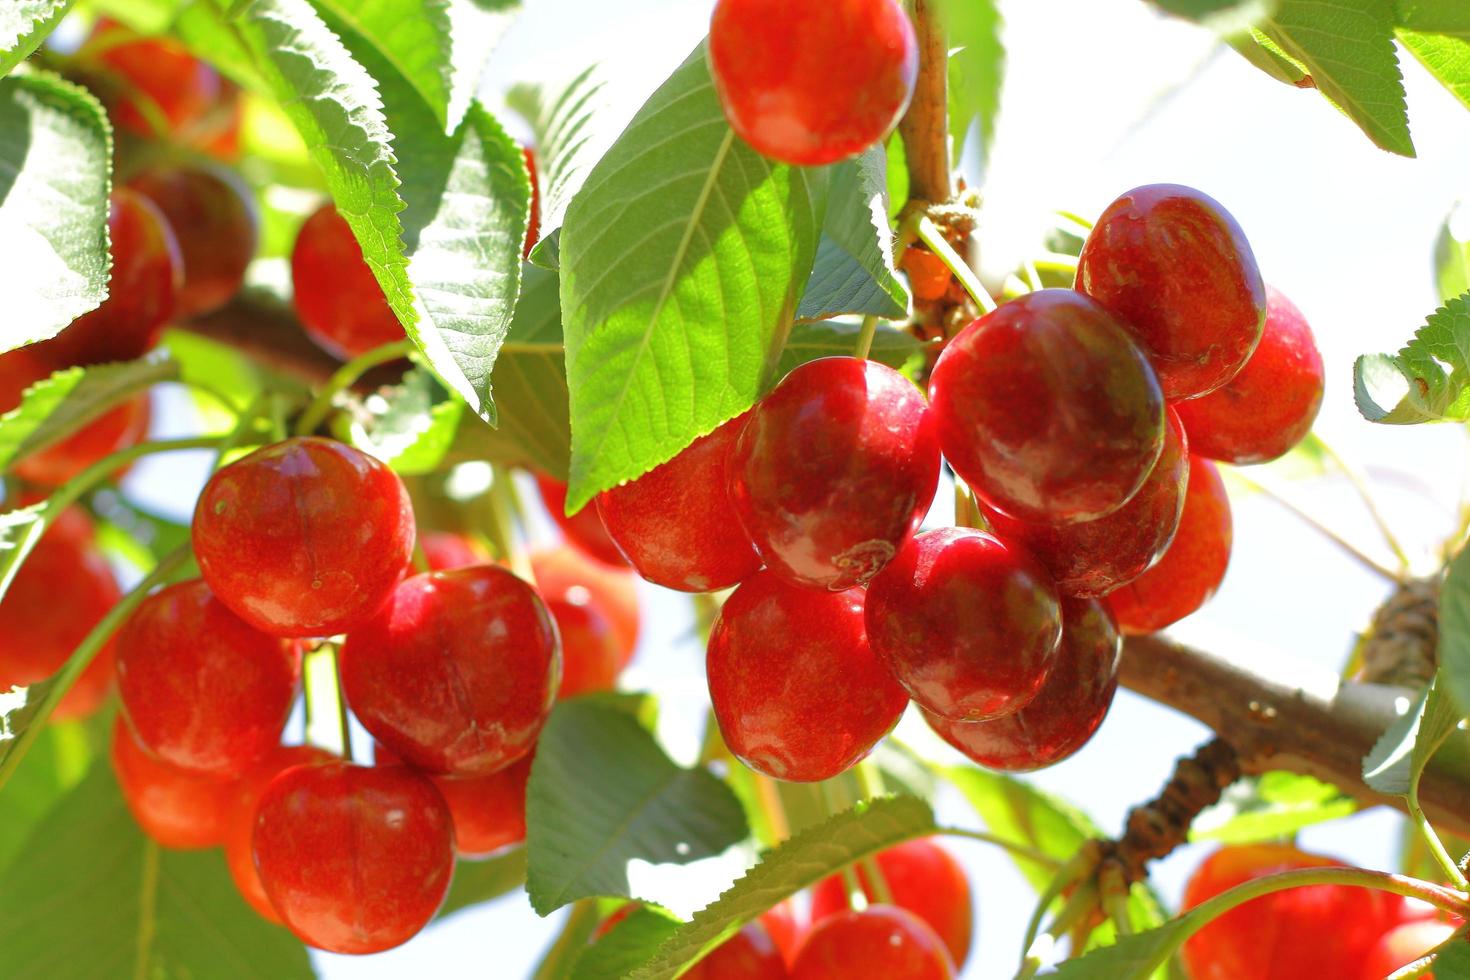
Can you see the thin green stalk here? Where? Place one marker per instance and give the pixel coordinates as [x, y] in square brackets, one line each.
[1114, 891]
[204, 387]
[1082, 903]
[575, 933]
[344, 377]
[1033, 277]
[257, 408]
[1426, 830]
[1364, 494]
[1019, 850]
[1352, 550]
[1079, 866]
[503, 508]
[865, 337]
[930, 235]
[326, 707]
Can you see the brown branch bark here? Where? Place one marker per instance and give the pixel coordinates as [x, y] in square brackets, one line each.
[925, 127]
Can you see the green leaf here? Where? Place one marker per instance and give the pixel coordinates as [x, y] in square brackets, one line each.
[799, 863]
[602, 794]
[1347, 46]
[1452, 254]
[24, 24]
[60, 757]
[1222, 16]
[1450, 17]
[976, 68]
[682, 261]
[1270, 807]
[627, 946]
[1130, 958]
[480, 881]
[410, 425]
[1452, 961]
[899, 349]
[1262, 52]
[1446, 58]
[54, 260]
[1454, 631]
[127, 531]
[412, 35]
[853, 271]
[20, 529]
[1414, 382]
[1019, 812]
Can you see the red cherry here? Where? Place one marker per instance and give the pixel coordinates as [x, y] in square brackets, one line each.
[565, 573]
[446, 550]
[1403, 944]
[967, 624]
[240, 822]
[177, 808]
[796, 689]
[812, 83]
[1269, 406]
[674, 523]
[1192, 567]
[533, 227]
[355, 859]
[1067, 710]
[781, 922]
[489, 811]
[142, 293]
[1047, 410]
[458, 672]
[750, 954]
[584, 528]
[1094, 557]
[214, 220]
[160, 89]
[880, 941]
[922, 878]
[1268, 937]
[307, 537]
[834, 471]
[336, 294]
[591, 659]
[202, 689]
[1176, 270]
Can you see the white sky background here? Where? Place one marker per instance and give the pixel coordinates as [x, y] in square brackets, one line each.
[1093, 106]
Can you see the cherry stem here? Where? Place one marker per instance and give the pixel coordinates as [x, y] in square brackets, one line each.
[504, 506]
[1114, 892]
[865, 337]
[1019, 850]
[344, 377]
[1421, 822]
[253, 412]
[1360, 485]
[931, 236]
[769, 799]
[327, 725]
[576, 932]
[1418, 968]
[1350, 549]
[1078, 867]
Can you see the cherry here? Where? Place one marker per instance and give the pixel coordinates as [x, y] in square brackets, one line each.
[1047, 410]
[354, 859]
[1067, 710]
[489, 811]
[785, 929]
[158, 87]
[880, 941]
[446, 550]
[796, 690]
[812, 83]
[1094, 557]
[674, 522]
[750, 954]
[533, 226]
[591, 658]
[584, 529]
[1192, 567]
[1269, 406]
[307, 537]
[240, 821]
[458, 672]
[1264, 939]
[1403, 944]
[177, 808]
[565, 573]
[214, 220]
[202, 689]
[923, 878]
[142, 292]
[929, 277]
[336, 294]
[968, 624]
[63, 590]
[834, 471]
[1173, 266]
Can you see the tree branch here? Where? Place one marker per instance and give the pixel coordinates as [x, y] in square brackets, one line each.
[925, 127]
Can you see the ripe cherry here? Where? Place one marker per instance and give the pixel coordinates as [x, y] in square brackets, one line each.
[796, 690]
[1091, 558]
[489, 811]
[446, 550]
[566, 573]
[1269, 406]
[157, 88]
[458, 672]
[1047, 409]
[142, 292]
[785, 928]
[63, 590]
[354, 859]
[1192, 567]
[750, 954]
[533, 226]
[1264, 938]
[929, 277]
[923, 878]
[307, 537]
[880, 941]
[177, 808]
[675, 523]
[214, 221]
[1065, 713]
[968, 624]
[1403, 944]
[812, 83]
[584, 528]
[202, 689]
[240, 822]
[834, 471]
[1176, 270]
[336, 294]
[591, 658]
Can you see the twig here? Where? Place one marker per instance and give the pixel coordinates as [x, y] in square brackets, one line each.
[925, 127]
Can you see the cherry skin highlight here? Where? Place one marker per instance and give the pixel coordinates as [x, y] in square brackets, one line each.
[834, 470]
[354, 859]
[1403, 944]
[968, 624]
[1066, 712]
[796, 690]
[1192, 567]
[179, 809]
[1091, 558]
[880, 941]
[202, 689]
[213, 219]
[584, 529]
[1270, 405]
[307, 537]
[1176, 270]
[1047, 409]
[812, 84]
[674, 523]
[336, 294]
[566, 573]
[240, 821]
[489, 811]
[923, 878]
[458, 672]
